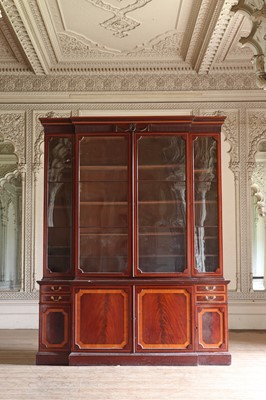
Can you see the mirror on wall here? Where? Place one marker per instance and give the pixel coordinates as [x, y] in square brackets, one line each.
[258, 192]
[10, 219]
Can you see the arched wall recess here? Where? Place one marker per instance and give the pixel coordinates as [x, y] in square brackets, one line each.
[10, 220]
[258, 213]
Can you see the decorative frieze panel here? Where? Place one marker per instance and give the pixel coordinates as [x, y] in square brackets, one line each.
[134, 79]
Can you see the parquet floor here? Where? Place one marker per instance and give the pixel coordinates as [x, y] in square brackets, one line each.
[245, 379]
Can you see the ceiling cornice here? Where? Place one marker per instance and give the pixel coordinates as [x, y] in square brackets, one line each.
[13, 13]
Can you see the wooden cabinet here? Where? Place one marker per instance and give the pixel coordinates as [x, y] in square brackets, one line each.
[133, 242]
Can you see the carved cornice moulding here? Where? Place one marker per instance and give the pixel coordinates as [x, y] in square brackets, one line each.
[10, 9]
[224, 16]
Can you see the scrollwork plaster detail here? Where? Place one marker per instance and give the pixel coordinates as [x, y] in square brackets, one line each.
[39, 136]
[230, 131]
[120, 23]
[257, 132]
[255, 11]
[12, 128]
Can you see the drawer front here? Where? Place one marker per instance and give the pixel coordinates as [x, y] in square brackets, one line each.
[55, 298]
[210, 298]
[210, 288]
[55, 289]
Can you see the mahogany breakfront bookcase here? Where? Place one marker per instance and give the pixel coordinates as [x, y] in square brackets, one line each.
[133, 242]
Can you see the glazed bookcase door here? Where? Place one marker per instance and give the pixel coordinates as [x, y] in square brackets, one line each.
[104, 220]
[58, 206]
[206, 202]
[161, 204]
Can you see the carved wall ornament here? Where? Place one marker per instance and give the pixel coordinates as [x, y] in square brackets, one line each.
[257, 134]
[120, 23]
[12, 128]
[39, 136]
[260, 199]
[230, 131]
[255, 10]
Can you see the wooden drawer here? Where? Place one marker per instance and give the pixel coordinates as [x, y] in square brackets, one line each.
[210, 288]
[210, 298]
[55, 289]
[55, 298]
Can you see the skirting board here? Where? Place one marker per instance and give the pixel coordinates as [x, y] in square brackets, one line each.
[25, 314]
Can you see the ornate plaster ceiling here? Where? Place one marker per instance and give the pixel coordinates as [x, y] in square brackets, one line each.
[50, 42]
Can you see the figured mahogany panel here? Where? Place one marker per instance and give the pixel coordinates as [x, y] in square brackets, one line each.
[54, 332]
[102, 318]
[164, 318]
[212, 328]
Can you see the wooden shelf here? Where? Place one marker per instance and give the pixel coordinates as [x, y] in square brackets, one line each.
[102, 203]
[104, 167]
[162, 234]
[159, 166]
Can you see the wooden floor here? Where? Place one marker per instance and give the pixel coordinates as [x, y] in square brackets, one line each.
[245, 379]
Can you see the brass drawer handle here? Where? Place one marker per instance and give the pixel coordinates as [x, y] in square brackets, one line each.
[210, 288]
[58, 298]
[210, 298]
[56, 289]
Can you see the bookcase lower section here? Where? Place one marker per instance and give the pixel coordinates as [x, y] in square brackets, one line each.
[134, 323]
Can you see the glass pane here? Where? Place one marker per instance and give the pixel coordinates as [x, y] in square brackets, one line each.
[10, 219]
[206, 231]
[59, 208]
[103, 188]
[161, 204]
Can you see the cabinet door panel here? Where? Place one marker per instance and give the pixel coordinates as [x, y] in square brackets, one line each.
[164, 319]
[103, 319]
[212, 328]
[54, 332]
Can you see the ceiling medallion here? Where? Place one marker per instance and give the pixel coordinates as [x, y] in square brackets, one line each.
[120, 23]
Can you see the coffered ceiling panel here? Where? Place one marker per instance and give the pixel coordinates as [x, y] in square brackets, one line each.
[116, 28]
[84, 37]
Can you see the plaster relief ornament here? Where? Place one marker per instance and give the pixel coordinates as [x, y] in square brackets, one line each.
[120, 23]
[255, 10]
